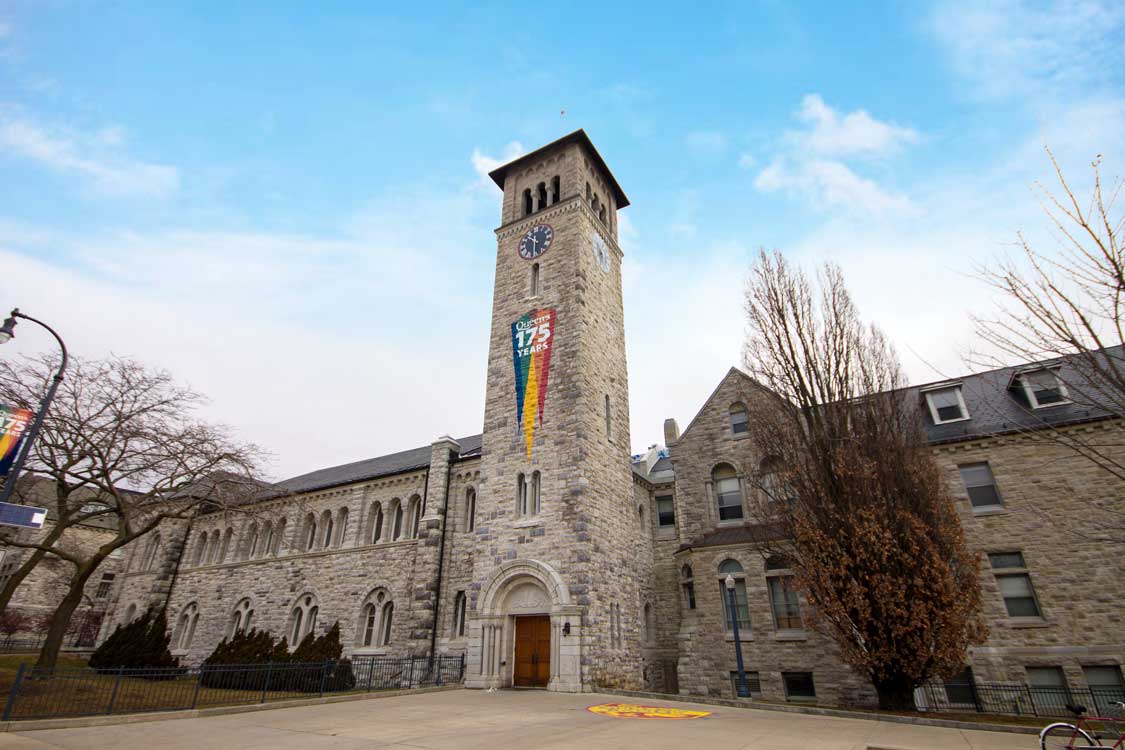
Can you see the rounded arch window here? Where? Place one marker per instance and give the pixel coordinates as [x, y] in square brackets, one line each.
[470, 509]
[302, 620]
[375, 620]
[728, 492]
[734, 569]
[185, 626]
[241, 618]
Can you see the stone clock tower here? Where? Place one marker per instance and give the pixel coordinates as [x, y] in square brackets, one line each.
[556, 604]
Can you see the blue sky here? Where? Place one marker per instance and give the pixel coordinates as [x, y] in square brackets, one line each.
[286, 206]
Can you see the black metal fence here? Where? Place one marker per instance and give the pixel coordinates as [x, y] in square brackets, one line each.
[1016, 699]
[56, 693]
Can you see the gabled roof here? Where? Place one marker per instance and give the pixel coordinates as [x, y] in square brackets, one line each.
[499, 174]
[372, 468]
[733, 372]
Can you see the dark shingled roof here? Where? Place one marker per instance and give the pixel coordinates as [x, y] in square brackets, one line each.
[370, 468]
[747, 533]
[499, 174]
[997, 405]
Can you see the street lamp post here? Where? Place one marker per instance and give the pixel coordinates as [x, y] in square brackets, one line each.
[743, 691]
[7, 333]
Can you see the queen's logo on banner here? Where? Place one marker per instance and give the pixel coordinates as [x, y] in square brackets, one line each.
[13, 424]
[532, 341]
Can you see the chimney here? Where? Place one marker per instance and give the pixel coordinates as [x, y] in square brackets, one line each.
[671, 432]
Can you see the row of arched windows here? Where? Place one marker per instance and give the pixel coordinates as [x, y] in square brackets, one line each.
[545, 194]
[374, 628]
[596, 204]
[382, 522]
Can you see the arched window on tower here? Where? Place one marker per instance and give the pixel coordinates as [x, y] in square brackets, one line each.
[589, 194]
[541, 196]
[534, 285]
[527, 205]
[556, 189]
[250, 543]
[224, 548]
[470, 509]
[601, 213]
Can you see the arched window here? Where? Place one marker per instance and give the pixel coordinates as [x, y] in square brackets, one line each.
[470, 509]
[374, 621]
[641, 516]
[588, 193]
[396, 519]
[534, 285]
[341, 526]
[556, 189]
[302, 620]
[728, 492]
[130, 614]
[250, 544]
[198, 557]
[739, 420]
[228, 537]
[185, 626]
[375, 523]
[608, 419]
[601, 213]
[310, 532]
[415, 509]
[278, 537]
[213, 550]
[459, 615]
[528, 494]
[541, 196]
[733, 569]
[527, 205]
[687, 585]
[240, 619]
[152, 552]
[266, 546]
[385, 624]
[326, 527]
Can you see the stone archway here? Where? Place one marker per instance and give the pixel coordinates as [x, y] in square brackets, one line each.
[526, 589]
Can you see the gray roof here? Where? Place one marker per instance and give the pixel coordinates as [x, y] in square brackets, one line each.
[997, 404]
[371, 468]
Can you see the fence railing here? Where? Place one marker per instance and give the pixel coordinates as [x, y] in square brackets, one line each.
[56, 693]
[1014, 698]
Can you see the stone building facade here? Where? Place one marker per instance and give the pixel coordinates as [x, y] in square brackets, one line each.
[548, 557]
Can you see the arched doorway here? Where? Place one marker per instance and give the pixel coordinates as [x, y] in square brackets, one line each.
[525, 631]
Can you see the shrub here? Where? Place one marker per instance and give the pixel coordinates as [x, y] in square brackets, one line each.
[258, 647]
[142, 643]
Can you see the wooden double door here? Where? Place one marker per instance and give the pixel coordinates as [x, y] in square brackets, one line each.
[533, 651]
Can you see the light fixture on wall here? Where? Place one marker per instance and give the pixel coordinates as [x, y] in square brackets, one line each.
[566, 628]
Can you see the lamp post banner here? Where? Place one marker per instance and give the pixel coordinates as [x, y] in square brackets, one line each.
[13, 426]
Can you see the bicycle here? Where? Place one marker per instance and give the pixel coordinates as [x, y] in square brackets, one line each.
[1063, 736]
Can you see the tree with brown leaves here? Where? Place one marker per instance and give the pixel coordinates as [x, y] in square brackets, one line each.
[861, 507]
[120, 440]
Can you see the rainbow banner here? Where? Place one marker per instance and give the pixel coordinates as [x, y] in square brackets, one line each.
[13, 424]
[532, 341]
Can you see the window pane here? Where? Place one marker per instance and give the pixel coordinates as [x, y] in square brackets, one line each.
[1046, 677]
[753, 683]
[666, 511]
[984, 497]
[730, 566]
[1045, 385]
[739, 421]
[1019, 597]
[976, 475]
[946, 404]
[1103, 676]
[1006, 560]
[783, 600]
[799, 684]
[730, 499]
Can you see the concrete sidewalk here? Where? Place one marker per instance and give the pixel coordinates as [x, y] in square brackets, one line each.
[468, 719]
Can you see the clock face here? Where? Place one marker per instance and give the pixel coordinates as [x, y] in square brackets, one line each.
[601, 252]
[536, 242]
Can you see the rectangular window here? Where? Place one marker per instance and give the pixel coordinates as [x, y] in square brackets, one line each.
[1043, 388]
[799, 686]
[783, 602]
[730, 499]
[1106, 687]
[739, 421]
[1015, 584]
[1049, 690]
[753, 684]
[740, 602]
[104, 586]
[665, 510]
[947, 405]
[981, 485]
[959, 690]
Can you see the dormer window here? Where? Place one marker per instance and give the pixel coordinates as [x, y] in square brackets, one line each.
[946, 404]
[1043, 388]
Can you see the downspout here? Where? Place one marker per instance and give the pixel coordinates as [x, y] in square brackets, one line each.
[441, 561]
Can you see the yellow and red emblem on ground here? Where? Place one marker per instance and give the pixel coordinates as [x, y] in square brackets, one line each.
[633, 711]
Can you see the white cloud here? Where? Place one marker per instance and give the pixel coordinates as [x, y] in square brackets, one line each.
[853, 134]
[706, 142]
[746, 160]
[106, 170]
[1013, 48]
[810, 164]
[483, 164]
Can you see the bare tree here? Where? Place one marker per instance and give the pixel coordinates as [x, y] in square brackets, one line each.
[859, 506]
[120, 440]
[1069, 304]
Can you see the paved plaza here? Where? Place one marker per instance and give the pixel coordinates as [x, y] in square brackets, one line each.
[469, 719]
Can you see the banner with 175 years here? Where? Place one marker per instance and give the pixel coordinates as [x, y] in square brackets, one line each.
[532, 342]
[13, 425]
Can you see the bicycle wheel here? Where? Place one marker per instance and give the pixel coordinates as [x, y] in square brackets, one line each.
[1065, 737]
